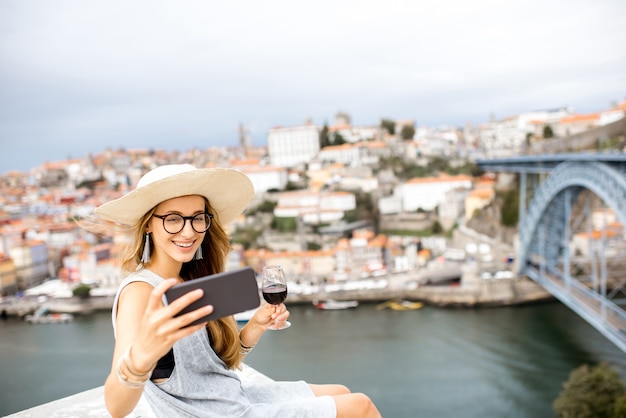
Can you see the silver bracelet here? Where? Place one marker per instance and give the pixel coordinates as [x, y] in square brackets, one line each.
[245, 349]
[124, 380]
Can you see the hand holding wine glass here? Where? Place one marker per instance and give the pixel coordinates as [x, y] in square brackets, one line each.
[274, 289]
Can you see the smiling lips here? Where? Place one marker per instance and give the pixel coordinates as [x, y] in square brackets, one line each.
[184, 244]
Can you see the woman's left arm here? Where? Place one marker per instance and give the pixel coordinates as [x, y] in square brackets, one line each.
[265, 316]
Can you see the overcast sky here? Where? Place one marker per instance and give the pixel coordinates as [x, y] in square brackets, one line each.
[79, 76]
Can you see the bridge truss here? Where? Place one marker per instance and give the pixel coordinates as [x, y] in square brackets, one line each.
[572, 239]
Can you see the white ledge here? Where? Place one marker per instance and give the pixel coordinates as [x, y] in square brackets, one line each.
[90, 403]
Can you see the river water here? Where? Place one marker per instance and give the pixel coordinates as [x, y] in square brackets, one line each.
[434, 362]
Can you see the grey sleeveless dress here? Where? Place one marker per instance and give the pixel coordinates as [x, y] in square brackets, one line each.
[202, 386]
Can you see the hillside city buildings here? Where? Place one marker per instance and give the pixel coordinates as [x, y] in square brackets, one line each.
[307, 195]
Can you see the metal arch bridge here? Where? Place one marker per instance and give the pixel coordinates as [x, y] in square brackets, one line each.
[572, 219]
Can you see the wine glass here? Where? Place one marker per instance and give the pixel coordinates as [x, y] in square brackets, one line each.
[274, 289]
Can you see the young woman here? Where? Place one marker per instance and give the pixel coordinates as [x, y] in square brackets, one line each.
[176, 217]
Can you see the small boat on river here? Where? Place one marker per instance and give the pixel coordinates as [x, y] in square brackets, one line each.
[403, 305]
[244, 317]
[44, 316]
[331, 304]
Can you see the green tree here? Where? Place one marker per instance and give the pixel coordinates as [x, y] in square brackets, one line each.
[364, 210]
[313, 246]
[591, 392]
[388, 125]
[619, 409]
[528, 140]
[324, 138]
[82, 291]
[474, 170]
[246, 236]
[285, 224]
[294, 186]
[547, 132]
[436, 228]
[266, 206]
[338, 139]
[509, 211]
[407, 132]
[439, 164]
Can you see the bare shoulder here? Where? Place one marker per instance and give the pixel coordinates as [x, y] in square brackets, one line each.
[138, 287]
[134, 297]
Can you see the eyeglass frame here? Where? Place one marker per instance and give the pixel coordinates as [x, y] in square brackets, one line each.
[185, 219]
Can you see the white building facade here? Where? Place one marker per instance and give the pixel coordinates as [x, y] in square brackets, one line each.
[288, 147]
[267, 178]
[423, 193]
[508, 137]
[315, 208]
[346, 154]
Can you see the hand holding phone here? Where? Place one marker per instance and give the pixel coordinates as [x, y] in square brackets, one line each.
[229, 292]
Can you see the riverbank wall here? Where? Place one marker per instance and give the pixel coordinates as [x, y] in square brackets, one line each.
[467, 293]
[493, 293]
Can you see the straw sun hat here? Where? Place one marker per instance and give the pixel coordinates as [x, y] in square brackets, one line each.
[228, 191]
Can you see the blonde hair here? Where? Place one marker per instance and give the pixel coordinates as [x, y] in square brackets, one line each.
[224, 332]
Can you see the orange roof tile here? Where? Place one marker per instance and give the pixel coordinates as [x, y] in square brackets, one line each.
[339, 127]
[581, 118]
[599, 234]
[482, 193]
[261, 169]
[342, 147]
[247, 161]
[443, 178]
[375, 144]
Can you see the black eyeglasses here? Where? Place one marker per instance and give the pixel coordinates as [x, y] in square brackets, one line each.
[174, 223]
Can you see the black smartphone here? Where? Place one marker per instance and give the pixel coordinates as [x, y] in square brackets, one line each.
[229, 292]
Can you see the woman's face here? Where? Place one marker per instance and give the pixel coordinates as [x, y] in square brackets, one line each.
[182, 246]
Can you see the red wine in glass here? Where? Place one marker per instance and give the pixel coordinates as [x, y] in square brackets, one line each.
[274, 289]
[275, 294]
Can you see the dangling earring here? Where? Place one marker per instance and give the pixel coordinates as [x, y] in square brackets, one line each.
[198, 255]
[145, 257]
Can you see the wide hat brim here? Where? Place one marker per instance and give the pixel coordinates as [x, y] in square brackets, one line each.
[228, 191]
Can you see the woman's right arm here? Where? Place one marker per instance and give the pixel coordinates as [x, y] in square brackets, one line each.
[146, 330]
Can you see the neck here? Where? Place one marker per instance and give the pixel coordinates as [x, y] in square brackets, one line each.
[169, 270]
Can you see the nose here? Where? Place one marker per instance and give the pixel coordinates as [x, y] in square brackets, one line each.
[187, 230]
